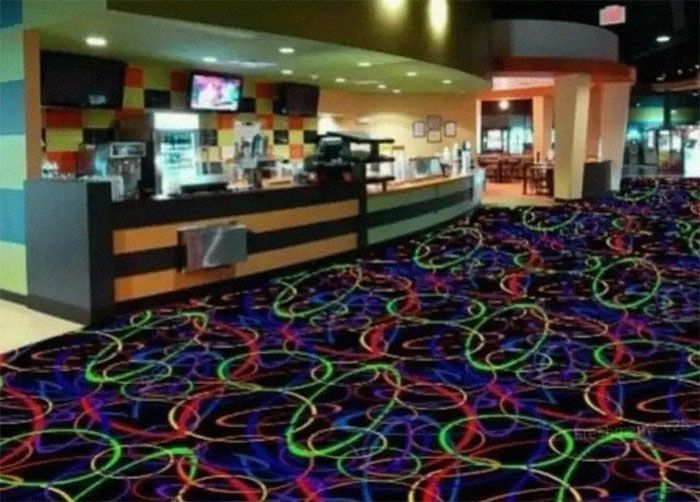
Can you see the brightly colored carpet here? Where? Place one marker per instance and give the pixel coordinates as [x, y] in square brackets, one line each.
[532, 354]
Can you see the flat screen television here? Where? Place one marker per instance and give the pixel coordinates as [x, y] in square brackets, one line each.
[215, 91]
[296, 99]
[75, 80]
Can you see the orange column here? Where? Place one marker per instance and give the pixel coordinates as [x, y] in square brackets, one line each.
[594, 117]
[571, 100]
[542, 120]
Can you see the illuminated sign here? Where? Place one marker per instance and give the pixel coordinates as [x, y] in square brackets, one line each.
[612, 14]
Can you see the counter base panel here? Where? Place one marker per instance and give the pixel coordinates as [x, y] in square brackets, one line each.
[404, 228]
[163, 281]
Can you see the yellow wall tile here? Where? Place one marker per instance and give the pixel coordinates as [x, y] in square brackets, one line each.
[296, 137]
[156, 77]
[309, 149]
[133, 97]
[226, 137]
[208, 121]
[99, 119]
[310, 123]
[281, 151]
[263, 106]
[281, 122]
[14, 276]
[63, 140]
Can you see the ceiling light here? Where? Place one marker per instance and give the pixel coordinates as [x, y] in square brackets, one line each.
[94, 41]
[381, 86]
[396, 91]
[286, 50]
[438, 14]
[680, 72]
[340, 80]
[314, 77]
[411, 73]
[252, 64]
[504, 104]
[697, 66]
[662, 39]
[447, 81]
[364, 64]
[209, 59]
[287, 72]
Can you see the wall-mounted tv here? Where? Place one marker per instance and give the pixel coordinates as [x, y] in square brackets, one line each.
[296, 99]
[75, 80]
[215, 91]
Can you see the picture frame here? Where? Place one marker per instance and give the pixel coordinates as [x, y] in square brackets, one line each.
[450, 129]
[435, 136]
[434, 122]
[419, 129]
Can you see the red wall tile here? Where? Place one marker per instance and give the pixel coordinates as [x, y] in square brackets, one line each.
[125, 113]
[133, 77]
[266, 121]
[64, 118]
[226, 120]
[178, 81]
[67, 161]
[264, 90]
[296, 122]
[296, 151]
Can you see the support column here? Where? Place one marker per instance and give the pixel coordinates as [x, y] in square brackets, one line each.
[571, 99]
[594, 119]
[477, 129]
[542, 120]
[614, 110]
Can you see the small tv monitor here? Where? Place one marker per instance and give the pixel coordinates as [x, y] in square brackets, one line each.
[296, 99]
[75, 80]
[215, 91]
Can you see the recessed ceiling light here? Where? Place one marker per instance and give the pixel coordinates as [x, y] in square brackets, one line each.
[287, 72]
[411, 73]
[396, 91]
[697, 66]
[662, 39]
[447, 81]
[95, 41]
[381, 86]
[286, 50]
[364, 64]
[209, 59]
[504, 104]
[340, 80]
[680, 71]
[314, 77]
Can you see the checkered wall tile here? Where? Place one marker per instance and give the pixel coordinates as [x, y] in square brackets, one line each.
[148, 87]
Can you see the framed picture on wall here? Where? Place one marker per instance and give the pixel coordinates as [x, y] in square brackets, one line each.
[450, 129]
[435, 136]
[419, 129]
[434, 122]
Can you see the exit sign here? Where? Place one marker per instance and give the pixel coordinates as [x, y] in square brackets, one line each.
[612, 14]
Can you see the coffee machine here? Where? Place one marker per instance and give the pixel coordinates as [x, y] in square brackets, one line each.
[118, 161]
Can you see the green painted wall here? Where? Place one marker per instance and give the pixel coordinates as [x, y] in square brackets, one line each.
[13, 268]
